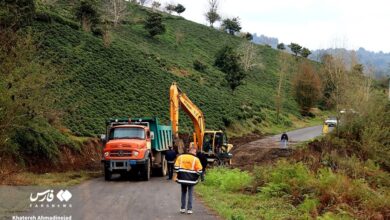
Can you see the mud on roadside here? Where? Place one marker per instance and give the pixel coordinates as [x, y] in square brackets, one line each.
[87, 159]
[247, 153]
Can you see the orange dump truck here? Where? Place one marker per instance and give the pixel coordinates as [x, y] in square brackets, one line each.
[135, 146]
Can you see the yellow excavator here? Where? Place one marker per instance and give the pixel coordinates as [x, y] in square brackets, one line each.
[214, 144]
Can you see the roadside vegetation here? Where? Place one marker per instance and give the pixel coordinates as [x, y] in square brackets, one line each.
[52, 179]
[342, 175]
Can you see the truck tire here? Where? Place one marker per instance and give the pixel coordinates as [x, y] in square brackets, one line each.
[163, 170]
[146, 170]
[107, 173]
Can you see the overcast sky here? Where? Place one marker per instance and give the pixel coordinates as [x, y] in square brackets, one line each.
[311, 23]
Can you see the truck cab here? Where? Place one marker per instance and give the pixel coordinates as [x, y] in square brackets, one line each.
[131, 148]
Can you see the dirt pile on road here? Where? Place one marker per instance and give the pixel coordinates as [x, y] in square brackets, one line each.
[246, 156]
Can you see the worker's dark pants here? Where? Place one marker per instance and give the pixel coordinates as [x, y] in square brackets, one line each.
[203, 173]
[170, 170]
[184, 189]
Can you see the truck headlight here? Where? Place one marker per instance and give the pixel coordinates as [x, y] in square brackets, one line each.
[135, 153]
[106, 154]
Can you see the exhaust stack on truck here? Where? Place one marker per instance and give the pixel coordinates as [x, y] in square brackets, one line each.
[135, 146]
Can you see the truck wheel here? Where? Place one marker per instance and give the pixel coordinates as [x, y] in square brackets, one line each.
[146, 170]
[164, 166]
[107, 174]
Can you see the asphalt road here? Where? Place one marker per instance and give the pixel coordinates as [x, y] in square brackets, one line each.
[131, 199]
[126, 199]
[302, 134]
[295, 136]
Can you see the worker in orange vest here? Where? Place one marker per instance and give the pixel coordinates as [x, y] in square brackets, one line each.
[325, 129]
[188, 169]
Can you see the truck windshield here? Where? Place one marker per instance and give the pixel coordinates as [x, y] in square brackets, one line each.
[127, 133]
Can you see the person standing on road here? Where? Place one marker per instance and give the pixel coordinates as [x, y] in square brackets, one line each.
[188, 169]
[170, 156]
[325, 129]
[284, 140]
[203, 160]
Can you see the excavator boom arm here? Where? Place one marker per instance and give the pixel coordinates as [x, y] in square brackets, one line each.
[179, 99]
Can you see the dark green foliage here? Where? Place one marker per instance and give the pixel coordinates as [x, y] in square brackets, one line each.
[305, 52]
[97, 31]
[154, 25]
[248, 36]
[295, 48]
[87, 13]
[48, 17]
[179, 8]
[38, 140]
[16, 13]
[170, 8]
[228, 61]
[231, 25]
[281, 46]
[200, 66]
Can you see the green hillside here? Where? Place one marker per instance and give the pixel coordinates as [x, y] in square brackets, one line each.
[132, 76]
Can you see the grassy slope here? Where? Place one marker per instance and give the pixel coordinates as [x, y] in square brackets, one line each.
[132, 76]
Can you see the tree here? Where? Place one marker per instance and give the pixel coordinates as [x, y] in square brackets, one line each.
[115, 11]
[212, 15]
[88, 15]
[154, 25]
[284, 66]
[248, 56]
[248, 36]
[156, 5]
[228, 61]
[179, 9]
[295, 48]
[231, 25]
[281, 46]
[305, 52]
[15, 14]
[334, 74]
[307, 87]
[170, 8]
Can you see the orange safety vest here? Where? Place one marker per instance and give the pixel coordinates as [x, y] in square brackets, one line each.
[188, 168]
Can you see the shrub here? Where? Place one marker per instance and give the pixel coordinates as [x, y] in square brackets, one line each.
[199, 66]
[39, 140]
[288, 178]
[153, 24]
[97, 31]
[309, 207]
[227, 179]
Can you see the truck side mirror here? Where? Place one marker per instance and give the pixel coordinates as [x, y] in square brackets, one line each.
[103, 138]
[152, 135]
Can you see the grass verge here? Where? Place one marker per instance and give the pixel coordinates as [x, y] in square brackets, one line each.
[49, 179]
[293, 190]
